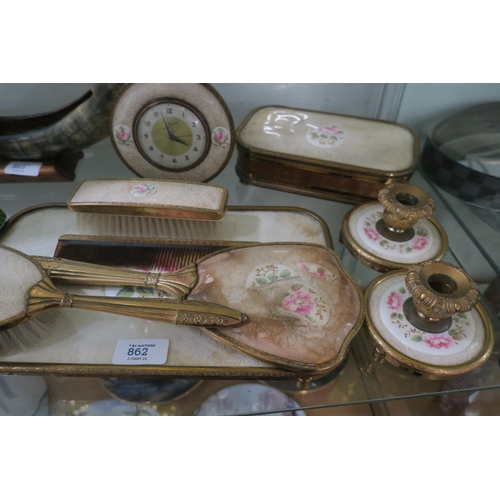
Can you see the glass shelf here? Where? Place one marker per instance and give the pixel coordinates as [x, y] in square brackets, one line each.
[361, 386]
[482, 228]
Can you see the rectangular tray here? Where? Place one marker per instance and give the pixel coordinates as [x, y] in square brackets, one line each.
[84, 341]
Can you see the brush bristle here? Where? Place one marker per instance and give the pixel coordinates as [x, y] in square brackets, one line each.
[146, 227]
[35, 333]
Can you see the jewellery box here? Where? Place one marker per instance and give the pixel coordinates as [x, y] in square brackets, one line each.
[336, 157]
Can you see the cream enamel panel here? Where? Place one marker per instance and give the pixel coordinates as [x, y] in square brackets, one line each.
[17, 276]
[139, 192]
[359, 142]
[424, 245]
[441, 349]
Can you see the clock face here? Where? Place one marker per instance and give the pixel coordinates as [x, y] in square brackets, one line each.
[172, 135]
[176, 131]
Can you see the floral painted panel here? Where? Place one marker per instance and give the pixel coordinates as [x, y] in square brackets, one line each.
[318, 271]
[301, 305]
[366, 226]
[306, 303]
[456, 339]
[142, 190]
[135, 291]
[424, 245]
[123, 135]
[325, 136]
[269, 273]
[221, 137]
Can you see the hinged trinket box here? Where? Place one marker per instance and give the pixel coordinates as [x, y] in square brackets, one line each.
[332, 156]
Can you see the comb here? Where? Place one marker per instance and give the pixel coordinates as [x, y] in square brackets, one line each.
[149, 254]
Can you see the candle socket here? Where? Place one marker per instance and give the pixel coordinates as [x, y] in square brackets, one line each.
[403, 206]
[438, 291]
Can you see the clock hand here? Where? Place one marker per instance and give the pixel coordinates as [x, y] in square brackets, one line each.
[170, 135]
[176, 139]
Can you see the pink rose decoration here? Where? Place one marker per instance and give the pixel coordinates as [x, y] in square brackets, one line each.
[371, 233]
[320, 273]
[395, 301]
[419, 243]
[221, 137]
[330, 131]
[141, 188]
[123, 135]
[435, 341]
[299, 302]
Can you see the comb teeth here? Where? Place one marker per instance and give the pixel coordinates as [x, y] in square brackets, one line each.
[140, 254]
[172, 259]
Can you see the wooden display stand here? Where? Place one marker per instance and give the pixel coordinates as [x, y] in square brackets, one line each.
[59, 169]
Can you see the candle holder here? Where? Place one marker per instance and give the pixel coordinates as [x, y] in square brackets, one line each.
[396, 232]
[427, 320]
[438, 290]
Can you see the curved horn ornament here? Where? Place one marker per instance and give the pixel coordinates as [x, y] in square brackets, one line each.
[58, 132]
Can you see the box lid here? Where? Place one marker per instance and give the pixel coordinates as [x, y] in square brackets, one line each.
[330, 140]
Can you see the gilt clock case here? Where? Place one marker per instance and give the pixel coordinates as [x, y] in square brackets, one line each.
[173, 131]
